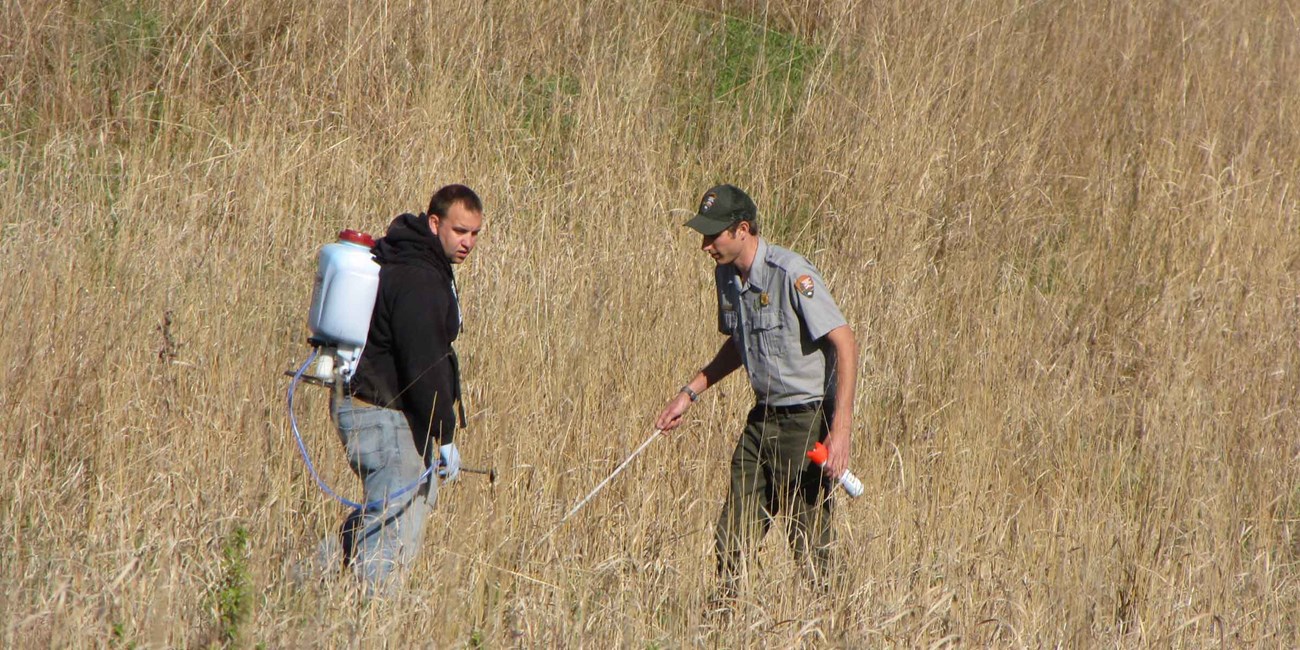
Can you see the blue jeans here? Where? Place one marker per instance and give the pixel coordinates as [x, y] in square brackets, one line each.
[381, 542]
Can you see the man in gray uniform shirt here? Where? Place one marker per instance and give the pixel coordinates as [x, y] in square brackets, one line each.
[801, 357]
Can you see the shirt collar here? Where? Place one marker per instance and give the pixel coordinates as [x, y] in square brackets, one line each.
[758, 271]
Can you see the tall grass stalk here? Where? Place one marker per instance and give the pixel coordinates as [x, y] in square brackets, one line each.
[1065, 233]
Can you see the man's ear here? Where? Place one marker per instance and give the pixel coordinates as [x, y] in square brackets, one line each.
[433, 223]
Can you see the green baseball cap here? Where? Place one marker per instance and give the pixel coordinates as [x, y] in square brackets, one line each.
[722, 206]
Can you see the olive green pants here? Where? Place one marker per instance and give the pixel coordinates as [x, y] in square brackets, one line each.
[771, 476]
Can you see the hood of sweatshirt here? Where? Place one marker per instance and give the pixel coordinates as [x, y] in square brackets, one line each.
[410, 241]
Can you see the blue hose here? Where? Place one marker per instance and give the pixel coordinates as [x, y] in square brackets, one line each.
[302, 449]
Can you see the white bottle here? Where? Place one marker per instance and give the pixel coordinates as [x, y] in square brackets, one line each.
[847, 480]
[343, 296]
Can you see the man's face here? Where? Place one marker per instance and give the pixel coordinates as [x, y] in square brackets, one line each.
[726, 246]
[458, 231]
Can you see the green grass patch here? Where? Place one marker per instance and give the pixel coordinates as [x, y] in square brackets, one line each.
[127, 44]
[739, 73]
[118, 637]
[751, 62]
[127, 31]
[545, 102]
[231, 599]
[124, 36]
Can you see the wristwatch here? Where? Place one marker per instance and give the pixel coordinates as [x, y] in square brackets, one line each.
[695, 397]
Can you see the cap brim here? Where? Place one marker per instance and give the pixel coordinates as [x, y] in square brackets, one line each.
[707, 226]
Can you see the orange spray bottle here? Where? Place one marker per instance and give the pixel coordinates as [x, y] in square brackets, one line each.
[847, 480]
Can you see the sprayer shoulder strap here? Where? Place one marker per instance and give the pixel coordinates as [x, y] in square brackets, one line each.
[455, 387]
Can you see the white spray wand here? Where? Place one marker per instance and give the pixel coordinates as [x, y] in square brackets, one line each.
[618, 469]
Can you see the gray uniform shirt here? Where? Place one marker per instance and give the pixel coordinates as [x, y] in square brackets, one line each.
[778, 322]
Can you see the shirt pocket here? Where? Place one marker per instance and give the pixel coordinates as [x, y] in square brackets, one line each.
[768, 330]
[729, 321]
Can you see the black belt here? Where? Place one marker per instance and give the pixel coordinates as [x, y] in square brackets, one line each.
[789, 408]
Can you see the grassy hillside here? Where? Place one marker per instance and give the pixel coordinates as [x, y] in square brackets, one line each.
[1067, 235]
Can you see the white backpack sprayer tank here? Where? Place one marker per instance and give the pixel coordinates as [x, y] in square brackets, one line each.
[347, 279]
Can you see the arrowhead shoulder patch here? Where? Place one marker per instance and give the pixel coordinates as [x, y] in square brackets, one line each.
[804, 285]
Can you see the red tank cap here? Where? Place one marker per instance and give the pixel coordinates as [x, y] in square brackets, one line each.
[357, 237]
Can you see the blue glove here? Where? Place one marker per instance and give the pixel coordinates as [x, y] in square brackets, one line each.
[449, 462]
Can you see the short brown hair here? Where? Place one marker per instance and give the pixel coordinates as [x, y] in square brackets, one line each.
[753, 226]
[449, 195]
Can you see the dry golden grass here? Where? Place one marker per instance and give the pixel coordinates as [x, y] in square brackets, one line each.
[1065, 233]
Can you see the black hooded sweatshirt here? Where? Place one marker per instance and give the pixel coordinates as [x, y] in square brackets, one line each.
[408, 363]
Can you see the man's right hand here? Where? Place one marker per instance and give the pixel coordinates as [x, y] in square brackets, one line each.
[671, 416]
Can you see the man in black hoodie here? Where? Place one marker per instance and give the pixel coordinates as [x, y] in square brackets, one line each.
[397, 414]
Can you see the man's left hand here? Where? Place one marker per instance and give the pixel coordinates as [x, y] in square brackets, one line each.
[449, 462]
